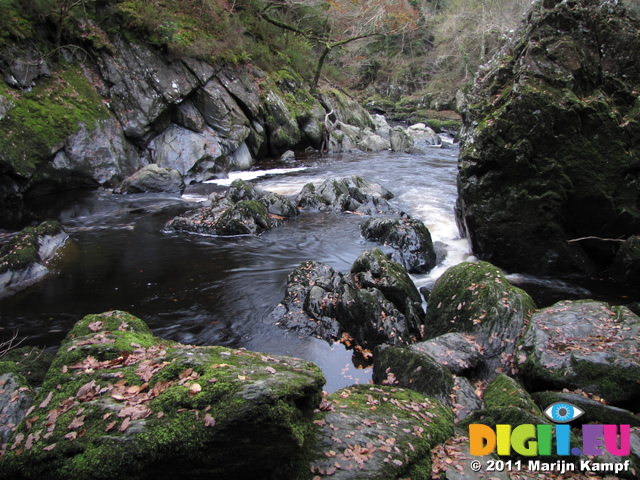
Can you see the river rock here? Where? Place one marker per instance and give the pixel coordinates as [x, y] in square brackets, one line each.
[352, 194]
[476, 298]
[456, 351]
[152, 178]
[374, 304]
[243, 210]
[505, 391]
[549, 145]
[410, 240]
[400, 140]
[346, 110]
[423, 136]
[348, 138]
[586, 345]
[453, 461]
[23, 260]
[30, 362]
[119, 402]
[280, 125]
[407, 368]
[464, 398]
[378, 432]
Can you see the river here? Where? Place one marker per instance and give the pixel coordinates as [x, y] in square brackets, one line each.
[219, 291]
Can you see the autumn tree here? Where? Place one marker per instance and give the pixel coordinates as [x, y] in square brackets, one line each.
[341, 22]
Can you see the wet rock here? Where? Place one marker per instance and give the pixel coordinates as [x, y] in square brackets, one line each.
[382, 128]
[378, 433]
[152, 178]
[23, 260]
[352, 194]
[119, 402]
[187, 115]
[346, 110]
[347, 138]
[281, 126]
[584, 345]
[409, 238]
[423, 136]
[243, 210]
[408, 368]
[374, 304]
[476, 298]
[453, 461]
[548, 145]
[458, 352]
[24, 67]
[594, 412]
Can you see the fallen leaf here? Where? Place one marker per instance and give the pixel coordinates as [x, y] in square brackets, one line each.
[77, 422]
[209, 421]
[46, 401]
[195, 389]
[49, 448]
[125, 424]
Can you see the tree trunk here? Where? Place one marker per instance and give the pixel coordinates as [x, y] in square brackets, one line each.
[316, 77]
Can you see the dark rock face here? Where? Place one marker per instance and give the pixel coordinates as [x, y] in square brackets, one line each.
[374, 304]
[409, 238]
[550, 141]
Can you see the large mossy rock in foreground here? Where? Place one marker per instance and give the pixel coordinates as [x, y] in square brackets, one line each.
[475, 298]
[550, 143]
[585, 345]
[121, 403]
[377, 432]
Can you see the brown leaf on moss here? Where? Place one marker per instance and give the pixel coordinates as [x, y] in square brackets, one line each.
[209, 421]
[125, 424]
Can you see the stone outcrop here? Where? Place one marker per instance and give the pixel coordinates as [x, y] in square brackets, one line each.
[153, 179]
[549, 146]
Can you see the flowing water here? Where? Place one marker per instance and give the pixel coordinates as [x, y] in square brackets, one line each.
[219, 291]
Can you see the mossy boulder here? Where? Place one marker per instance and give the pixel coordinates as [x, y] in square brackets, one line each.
[585, 345]
[476, 298]
[410, 240]
[374, 304]
[30, 362]
[244, 210]
[549, 147]
[505, 391]
[378, 432]
[23, 260]
[456, 351]
[16, 397]
[120, 402]
[406, 368]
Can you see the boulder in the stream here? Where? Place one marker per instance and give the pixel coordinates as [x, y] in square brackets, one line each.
[153, 179]
[586, 345]
[550, 141]
[24, 259]
[475, 298]
[457, 351]
[16, 397]
[244, 210]
[375, 303]
[378, 432]
[352, 194]
[119, 402]
[410, 240]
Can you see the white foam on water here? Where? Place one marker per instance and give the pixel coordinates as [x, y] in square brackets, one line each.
[253, 174]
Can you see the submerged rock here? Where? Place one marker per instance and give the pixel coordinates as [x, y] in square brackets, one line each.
[374, 304]
[153, 179]
[549, 146]
[23, 260]
[244, 210]
[121, 403]
[476, 298]
[378, 432]
[409, 238]
[584, 345]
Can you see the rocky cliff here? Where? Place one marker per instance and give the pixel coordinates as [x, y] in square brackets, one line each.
[103, 112]
[551, 141]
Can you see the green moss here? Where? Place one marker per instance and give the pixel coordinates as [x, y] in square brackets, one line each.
[504, 391]
[22, 250]
[41, 120]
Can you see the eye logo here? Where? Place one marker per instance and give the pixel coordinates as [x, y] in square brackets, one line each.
[563, 412]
